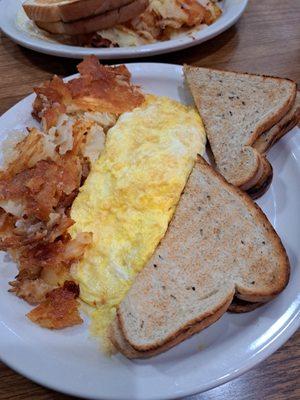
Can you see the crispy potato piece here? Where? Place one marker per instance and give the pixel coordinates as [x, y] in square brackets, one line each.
[57, 265]
[27, 153]
[195, 12]
[105, 89]
[41, 188]
[49, 263]
[164, 18]
[59, 310]
[99, 88]
[32, 291]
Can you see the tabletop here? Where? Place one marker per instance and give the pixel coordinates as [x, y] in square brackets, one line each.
[265, 40]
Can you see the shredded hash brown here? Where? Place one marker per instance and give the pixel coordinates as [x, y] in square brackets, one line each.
[59, 309]
[162, 20]
[42, 178]
[98, 88]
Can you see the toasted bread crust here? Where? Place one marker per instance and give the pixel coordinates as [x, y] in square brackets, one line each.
[260, 216]
[72, 10]
[91, 24]
[286, 106]
[254, 177]
[263, 184]
[185, 332]
[247, 174]
[276, 118]
[259, 184]
[289, 121]
[241, 288]
[234, 72]
[239, 306]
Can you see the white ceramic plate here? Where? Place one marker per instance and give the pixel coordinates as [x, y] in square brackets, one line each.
[69, 361]
[233, 9]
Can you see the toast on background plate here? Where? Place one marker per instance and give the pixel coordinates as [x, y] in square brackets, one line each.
[218, 245]
[237, 108]
[116, 23]
[101, 21]
[69, 10]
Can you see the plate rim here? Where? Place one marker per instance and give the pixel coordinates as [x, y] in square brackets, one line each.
[282, 335]
[158, 48]
[285, 334]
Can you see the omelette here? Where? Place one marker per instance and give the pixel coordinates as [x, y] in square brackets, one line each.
[129, 197]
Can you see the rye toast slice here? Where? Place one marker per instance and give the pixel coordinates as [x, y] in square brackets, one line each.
[218, 245]
[288, 122]
[97, 22]
[68, 10]
[236, 109]
[124, 347]
[266, 140]
[263, 184]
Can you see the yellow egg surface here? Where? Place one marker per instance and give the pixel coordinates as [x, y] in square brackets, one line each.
[130, 196]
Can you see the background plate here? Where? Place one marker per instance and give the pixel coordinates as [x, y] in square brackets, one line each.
[69, 361]
[233, 10]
